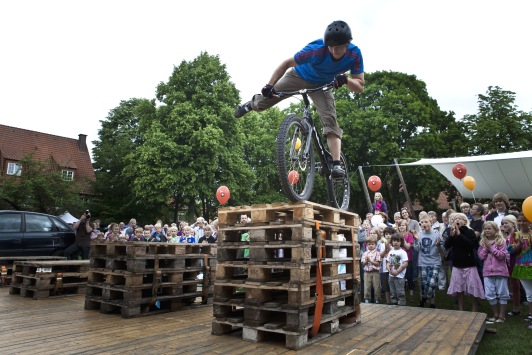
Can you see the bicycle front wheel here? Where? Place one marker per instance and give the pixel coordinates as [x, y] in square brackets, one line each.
[339, 189]
[295, 159]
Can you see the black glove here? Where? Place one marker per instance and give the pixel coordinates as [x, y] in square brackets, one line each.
[268, 91]
[340, 80]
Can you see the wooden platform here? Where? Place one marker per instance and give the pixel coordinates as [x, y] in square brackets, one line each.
[61, 325]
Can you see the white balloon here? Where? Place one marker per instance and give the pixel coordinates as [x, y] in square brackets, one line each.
[377, 220]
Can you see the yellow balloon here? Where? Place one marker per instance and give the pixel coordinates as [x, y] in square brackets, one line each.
[527, 208]
[469, 183]
[298, 143]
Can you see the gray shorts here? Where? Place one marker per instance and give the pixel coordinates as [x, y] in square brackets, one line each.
[323, 101]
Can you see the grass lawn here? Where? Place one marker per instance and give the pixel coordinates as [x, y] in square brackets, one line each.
[512, 336]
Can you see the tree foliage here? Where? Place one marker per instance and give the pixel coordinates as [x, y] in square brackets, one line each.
[498, 126]
[39, 188]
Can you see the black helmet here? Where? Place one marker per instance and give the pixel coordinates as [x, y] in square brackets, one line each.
[337, 33]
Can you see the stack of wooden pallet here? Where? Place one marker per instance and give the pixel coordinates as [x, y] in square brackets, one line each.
[272, 293]
[6, 264]
[137, 278]
[47, 278]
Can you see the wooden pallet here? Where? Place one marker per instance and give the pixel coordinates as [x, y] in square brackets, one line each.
[277, 213]
[43, 279]
[262, 324]
[8, 262]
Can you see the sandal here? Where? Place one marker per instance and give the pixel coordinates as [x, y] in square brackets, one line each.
[514, 313]
[529, 327]
[491, 320]
[500, 320]
[529, 318]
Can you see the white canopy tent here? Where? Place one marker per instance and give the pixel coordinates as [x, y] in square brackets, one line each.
[68, 218]
[510, 173]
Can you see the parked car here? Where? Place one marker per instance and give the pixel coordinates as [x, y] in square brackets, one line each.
[29, 233]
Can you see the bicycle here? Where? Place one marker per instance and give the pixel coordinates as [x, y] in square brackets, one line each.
[295, 145]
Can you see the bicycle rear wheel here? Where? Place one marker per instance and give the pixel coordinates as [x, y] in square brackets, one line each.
[339, 189]
[295, 163]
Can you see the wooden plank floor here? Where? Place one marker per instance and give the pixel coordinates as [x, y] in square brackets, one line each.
[62, 326]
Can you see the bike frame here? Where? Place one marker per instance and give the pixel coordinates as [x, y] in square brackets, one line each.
[325, 156]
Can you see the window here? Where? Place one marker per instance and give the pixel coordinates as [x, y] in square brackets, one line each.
[67, 175]
[38, 223]
[14, 169]
[10, 222]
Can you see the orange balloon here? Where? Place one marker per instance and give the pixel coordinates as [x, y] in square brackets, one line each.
[527, 208]
[293, 177]
[374, 183]
[469, 183]
[223, 194]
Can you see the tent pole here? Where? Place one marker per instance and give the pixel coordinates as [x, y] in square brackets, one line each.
[366, 192]
[410, 206]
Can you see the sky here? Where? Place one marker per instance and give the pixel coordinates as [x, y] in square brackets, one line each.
[65, 64]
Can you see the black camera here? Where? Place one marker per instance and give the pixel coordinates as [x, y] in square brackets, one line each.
[88, 214]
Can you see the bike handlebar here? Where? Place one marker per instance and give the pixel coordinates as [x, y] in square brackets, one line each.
[324, 87]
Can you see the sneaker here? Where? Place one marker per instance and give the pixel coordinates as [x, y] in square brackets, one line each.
[500, 320]
[421, 302]
[432, 305]
[514, 313]
[337, 172]
[242, 110]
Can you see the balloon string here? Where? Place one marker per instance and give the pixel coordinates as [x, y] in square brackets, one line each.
[472, 193]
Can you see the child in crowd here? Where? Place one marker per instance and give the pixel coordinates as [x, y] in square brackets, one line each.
[408, 247]
[464, 277]
[208, 236]
[138, 235]
[428, 244]
[523, 262]
[384, 248]
[397, 264]
[371, 260]
[493, 252]
[158, 235]
[147, 234]
[172, 235]
[509, 231]
[188, 237]
[114, 233]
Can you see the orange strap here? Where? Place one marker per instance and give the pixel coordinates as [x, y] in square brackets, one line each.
[58, 282]
[4, 275]
[205, 281]
[355, 276]
[319, 282]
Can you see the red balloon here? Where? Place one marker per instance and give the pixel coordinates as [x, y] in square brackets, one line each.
[223, 194]
[374, 183]
[293, 177]
[459, 171]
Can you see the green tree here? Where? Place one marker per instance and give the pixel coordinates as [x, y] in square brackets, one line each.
[192, 146]
[118, 137]
[39, 188]
[498, 126]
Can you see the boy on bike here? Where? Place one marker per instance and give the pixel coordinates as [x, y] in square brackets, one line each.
[319, 63]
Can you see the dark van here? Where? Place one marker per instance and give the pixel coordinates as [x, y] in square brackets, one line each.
[33, 234]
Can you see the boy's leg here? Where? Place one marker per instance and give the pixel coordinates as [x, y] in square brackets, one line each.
[432, 273]
[376, 286]
[400, 289]
[367, 286]
[393, 291]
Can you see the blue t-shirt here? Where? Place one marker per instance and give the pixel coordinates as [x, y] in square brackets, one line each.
[315, 63]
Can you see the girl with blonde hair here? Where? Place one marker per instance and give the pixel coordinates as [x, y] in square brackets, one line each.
[493, 253]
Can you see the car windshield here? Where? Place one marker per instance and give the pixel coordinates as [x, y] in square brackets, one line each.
[10, 222]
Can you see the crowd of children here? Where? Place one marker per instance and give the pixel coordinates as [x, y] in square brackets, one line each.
[487, 256]
[199, 232]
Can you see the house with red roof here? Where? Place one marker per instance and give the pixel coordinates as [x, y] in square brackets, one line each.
[71, 155]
